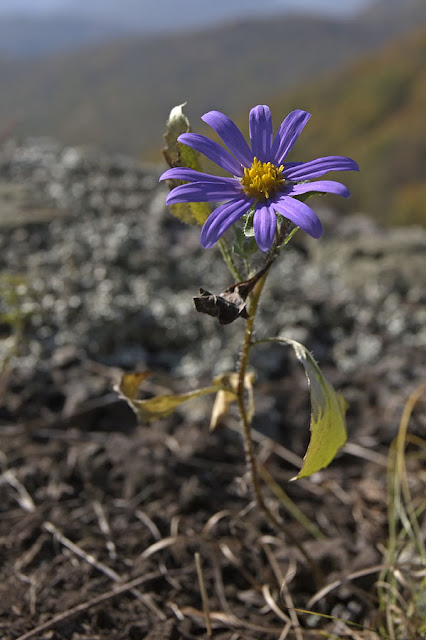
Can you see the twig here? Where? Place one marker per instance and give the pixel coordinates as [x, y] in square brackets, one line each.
[25, 501]
[288, 504]
[84, 410]
[85, 606]
[100, 566]
[284, 591]
[27, 504]
[105, 528]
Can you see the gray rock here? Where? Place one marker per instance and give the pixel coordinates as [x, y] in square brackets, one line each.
[110, 273]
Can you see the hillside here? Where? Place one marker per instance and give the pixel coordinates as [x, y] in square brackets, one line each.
[118, 95]
[35, 28]
[374, 112]
[26, 37]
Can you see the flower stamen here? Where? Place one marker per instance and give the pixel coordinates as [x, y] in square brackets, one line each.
[262, 179]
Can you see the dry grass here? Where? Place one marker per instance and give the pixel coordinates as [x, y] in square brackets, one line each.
[148, 542]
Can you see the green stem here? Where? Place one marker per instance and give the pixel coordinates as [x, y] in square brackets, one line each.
[229, 260]
[245, 422]
[246, 429]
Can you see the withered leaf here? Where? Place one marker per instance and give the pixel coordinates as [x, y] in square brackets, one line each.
[159, 406]
[226, 307]
[227, 395]
[231, 303]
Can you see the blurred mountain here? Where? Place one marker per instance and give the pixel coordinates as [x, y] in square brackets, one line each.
[25, 37]
[37, 28]
[30, 29]
[119, 94]
[164, 15]
[373, 112]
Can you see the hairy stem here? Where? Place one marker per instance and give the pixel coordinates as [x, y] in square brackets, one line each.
[228, 259]
[246, 430]
[245, 422]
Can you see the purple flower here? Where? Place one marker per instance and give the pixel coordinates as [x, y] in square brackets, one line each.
[262, 179]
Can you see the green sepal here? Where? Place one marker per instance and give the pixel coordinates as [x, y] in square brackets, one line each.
[306, 196]
[248, 226]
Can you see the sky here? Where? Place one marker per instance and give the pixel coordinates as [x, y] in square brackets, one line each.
[320, 6]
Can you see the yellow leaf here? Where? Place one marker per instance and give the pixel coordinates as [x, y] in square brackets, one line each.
[328, 408]
[200, 211]
[182, 211]
[227, 395]
[130, 383]
[221, 406]
[159, 406]
[190, 212]
[180, 155]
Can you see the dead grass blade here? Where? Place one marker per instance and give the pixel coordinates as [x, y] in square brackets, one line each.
[203, 590]
[400, 590]
[163, 544]
[100, 566]
[289, 504]
[89, 604]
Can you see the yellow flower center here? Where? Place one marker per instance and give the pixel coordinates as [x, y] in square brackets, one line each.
[262, 179]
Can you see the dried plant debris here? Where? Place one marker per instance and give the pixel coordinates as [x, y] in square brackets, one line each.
[100, 529]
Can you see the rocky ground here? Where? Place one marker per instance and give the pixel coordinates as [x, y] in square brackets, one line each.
[96, 277]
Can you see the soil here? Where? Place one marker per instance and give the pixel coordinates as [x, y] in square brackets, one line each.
[103, 521]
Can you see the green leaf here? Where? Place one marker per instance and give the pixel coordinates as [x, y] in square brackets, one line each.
[159, 406]
[180, 155]
[328, 408]
[311, 194]
[243, 246]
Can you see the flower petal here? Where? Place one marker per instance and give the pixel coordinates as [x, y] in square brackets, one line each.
[324, 186]
[221, 219]
[191, 175]
[213, 151]
[299, 213]
[320, 166]
[260, 126]
[205, 192]
[231, 136]
[287, 135]
[265, 225]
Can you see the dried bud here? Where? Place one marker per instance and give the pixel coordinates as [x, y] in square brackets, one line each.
[226, 307]
[231, 303]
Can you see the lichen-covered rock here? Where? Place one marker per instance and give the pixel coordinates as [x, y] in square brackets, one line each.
[109, 272]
